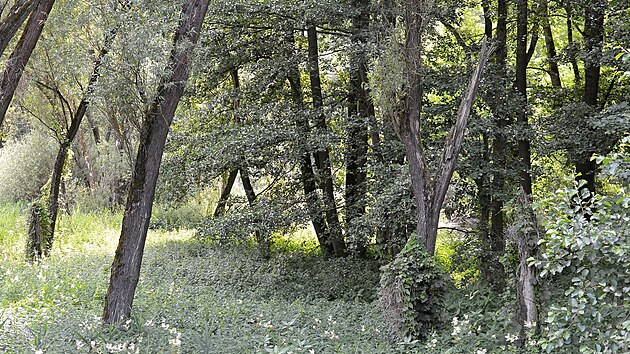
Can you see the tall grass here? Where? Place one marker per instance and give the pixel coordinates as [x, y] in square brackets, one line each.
[192, 297]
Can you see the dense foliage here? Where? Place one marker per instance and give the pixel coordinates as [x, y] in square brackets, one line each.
[300, 179]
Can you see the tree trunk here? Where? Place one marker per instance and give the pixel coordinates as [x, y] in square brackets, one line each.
[498, 156]
[125, 271]
[313, 200]
[429, 194]
[250, 194]
[550, 46]
[593, 43]
[359, 109]
[522, 60]
[14, 20]
[527, 244]
[527, 240]
[16, 63]
[322, 157]
[570, 43]
[225, 193]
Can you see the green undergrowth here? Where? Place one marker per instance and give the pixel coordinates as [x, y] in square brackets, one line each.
[192, 297]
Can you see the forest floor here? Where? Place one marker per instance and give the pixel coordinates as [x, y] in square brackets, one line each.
[192, 297]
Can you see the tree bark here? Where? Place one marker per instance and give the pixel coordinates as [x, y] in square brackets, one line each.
[571, 44]
[125, 271]
[527, 240]
[307, 175]
[14, 20]
[429, 194]
[14, 66]
[322, 156]
[522, 60]
[495, 240]
[359, 109]
[550, 46]
[225, 193]
[593, 43]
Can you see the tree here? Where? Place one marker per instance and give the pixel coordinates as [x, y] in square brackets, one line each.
[322, 157]
[14, 66]
[65, 139]
[11, 23]
[360, 109]
[125, 271]
[429, 192]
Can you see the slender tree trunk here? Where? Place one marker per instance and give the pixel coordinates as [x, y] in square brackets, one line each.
[16, 63]
[522, 60]
[322, 157]
[550, 46]
[14, 20]
[527, 240]
[77, 118]
[91, 182]
[593, 43]
[225, 193]
[359, 109]
[125, 271]
[313, 200]
[495, 188]
[571, 44]
[250, 194]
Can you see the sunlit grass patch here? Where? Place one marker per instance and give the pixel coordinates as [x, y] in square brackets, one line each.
[192, 296]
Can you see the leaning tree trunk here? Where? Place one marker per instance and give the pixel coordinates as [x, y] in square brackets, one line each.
[18, 13]
[52, 203]
[62, 154]
[125, 271]
[14, 66]
[225, 193]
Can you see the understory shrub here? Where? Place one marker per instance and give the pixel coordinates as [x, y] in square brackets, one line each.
[26, 166]
[585, 259]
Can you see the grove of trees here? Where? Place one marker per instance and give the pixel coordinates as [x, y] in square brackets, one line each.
[486, 140]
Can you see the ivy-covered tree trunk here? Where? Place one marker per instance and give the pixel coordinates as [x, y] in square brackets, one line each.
[56, 179]
[492, 197]
[322, 156]
[14, 66]
[359, 110]
[125, 271]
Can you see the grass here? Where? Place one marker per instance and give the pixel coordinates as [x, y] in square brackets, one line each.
[192, 297]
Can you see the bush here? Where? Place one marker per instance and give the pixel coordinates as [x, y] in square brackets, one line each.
[26, 166]
[586, 259]
[411, 292]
